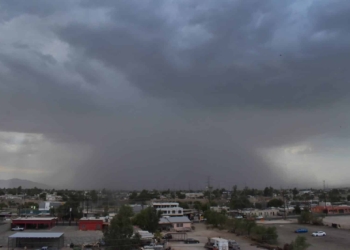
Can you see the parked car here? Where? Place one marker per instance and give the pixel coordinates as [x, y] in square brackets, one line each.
[318, 233]
[191, 241]
[301, 230]
[239, 217]
[233, 245]
[17, 229]
[259, 217]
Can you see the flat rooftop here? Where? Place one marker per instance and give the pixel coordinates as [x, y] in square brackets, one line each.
[93, 218]
[36, 235]
[35, 218]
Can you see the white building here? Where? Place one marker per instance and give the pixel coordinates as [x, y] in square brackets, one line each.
[53, 197]
[194, 195]
[220, 209]
[168, 208]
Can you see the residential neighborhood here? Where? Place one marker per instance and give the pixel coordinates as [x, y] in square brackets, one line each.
[175, 217]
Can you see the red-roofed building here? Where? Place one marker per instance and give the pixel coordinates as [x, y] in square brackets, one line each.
[331, 209]
[35, 222]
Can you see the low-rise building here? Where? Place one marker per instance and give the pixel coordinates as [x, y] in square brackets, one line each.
[35, 222]
[168, 208]
[268, 212]
[331, 209]
[47, 205]
[194, 195]
[220, 209]
[92, 224]
[175, 223]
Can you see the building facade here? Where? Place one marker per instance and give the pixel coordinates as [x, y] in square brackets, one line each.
[168, 208]
[91, 224]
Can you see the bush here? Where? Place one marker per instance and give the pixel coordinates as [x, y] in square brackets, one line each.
[264, 234]
[308, 218]
[317, 221]
[300, 243]
[214, 218]
[305, 217]
[271, 235]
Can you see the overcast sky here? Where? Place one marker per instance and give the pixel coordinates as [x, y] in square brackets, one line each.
[163, 94]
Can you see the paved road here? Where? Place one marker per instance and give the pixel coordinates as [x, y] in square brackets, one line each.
[336, 239]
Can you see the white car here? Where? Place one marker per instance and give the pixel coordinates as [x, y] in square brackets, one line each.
[239, 217]
[17, 229]
[318, 233]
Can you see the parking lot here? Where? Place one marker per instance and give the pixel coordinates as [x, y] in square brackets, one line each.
[202, 234]
[71, 234]
[336, 239]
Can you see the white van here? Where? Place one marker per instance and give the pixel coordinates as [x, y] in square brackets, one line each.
[219, 243]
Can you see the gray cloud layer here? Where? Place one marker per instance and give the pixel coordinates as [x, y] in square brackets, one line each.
[164, 94]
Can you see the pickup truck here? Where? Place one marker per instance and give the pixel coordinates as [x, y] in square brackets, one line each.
[17, 229]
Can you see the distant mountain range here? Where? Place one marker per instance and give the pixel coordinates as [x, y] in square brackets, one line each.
[13, 183]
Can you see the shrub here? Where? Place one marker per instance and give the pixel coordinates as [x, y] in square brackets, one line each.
[300, 243]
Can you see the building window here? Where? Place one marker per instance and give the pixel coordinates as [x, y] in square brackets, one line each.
[179, 211]
[173, 211]
[179, 225]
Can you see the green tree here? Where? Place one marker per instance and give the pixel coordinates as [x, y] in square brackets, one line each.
[295, 192]
[133, 196]
[19, 190]
[275, 203]
[148, 219]
[43, 196]
[184, 205]
[297, 209]
[240, 202]
[268, 192]
[3, 205]
[93, 196]
[180, 195]
[305, 217]
[120, 233]
[271, 235]
[300, 243]
[214, 218]
[30, 205]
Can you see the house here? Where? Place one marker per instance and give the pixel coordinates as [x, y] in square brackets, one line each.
[175, 223]
[168, 208]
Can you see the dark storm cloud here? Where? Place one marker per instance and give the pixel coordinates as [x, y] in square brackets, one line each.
[236, 65]
[168, 93]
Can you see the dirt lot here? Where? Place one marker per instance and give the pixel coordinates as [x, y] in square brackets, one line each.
[202, 234]
[336, 239]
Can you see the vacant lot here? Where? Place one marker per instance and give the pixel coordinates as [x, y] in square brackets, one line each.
[336, 239]
[202, 234]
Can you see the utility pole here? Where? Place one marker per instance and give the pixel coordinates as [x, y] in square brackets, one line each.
[209, 188]
[325, 196]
